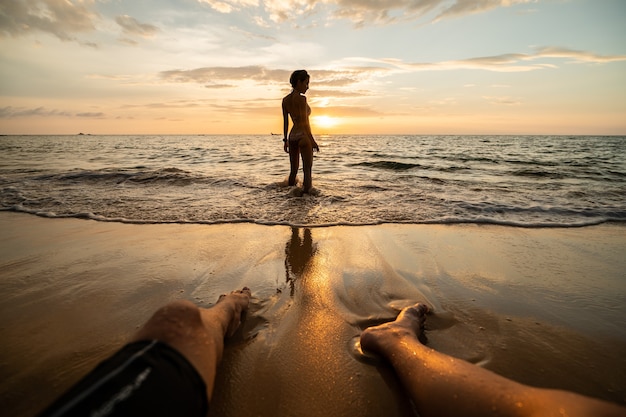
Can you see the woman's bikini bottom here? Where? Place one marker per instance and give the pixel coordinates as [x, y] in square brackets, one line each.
[296, 137]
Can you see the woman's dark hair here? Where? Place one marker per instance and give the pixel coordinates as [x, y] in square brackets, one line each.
[298, 75]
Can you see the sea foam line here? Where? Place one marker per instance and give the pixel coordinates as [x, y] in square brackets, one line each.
[447, 221]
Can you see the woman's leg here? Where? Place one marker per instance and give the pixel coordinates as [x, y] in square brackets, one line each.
[306, 149]
[294, 161]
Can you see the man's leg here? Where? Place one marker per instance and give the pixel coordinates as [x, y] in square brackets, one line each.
[198, 333]
[168, 368]
[441, 385]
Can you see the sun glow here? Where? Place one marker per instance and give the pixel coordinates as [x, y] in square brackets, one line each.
[325, 122]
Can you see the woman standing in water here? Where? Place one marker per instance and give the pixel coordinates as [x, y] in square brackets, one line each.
[300, 140]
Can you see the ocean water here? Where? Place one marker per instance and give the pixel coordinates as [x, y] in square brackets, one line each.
[528, 181]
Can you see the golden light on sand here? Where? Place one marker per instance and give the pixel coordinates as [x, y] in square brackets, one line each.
[325, 122]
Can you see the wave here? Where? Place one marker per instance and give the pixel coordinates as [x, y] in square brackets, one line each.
[620, 219]
[537, 173]
[532, 182]
[388, 165]
[137, 175]
[469, 158]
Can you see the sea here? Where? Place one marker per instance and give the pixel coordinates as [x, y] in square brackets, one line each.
[523, 181]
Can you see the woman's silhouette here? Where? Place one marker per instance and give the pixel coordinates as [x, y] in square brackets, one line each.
[300, 140]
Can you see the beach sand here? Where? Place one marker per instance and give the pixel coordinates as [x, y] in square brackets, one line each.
[546, 307]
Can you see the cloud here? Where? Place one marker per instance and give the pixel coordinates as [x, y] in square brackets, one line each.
[353, 74]
[219, 77]
[212, 75]
[129, 41]
[59, 18]
[228, 6]
[259, 108]
[338, 93]
[220, 6]
[390, 11]
[132, 26]
[174, 104]
[14, 112]
[91, 115]
[361, 12]
[465, 7]
[10, 112]
[347, 111]
[382, 12]
[511, 62]
[502, 101]
[578, 56]
[335, 82]
[283, 10]
[276, 10]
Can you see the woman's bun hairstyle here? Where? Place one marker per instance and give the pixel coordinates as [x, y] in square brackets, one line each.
[298, 75]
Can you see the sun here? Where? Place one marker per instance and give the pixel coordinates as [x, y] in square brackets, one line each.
[325, 122]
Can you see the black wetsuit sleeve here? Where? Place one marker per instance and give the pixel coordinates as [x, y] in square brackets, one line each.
[146, 378]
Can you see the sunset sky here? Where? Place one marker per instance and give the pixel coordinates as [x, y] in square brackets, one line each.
[377, 67]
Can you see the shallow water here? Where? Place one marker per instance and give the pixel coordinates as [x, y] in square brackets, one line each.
[542, 306]
[513, 180]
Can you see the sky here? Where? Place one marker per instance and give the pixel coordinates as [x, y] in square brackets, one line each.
[377, 67]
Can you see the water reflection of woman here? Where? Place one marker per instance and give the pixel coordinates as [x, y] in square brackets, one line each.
[298, 254]
[300, 140]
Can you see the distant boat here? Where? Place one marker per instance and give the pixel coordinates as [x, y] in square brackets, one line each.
[275, 134]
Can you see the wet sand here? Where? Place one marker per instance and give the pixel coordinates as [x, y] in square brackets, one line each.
[546, 307]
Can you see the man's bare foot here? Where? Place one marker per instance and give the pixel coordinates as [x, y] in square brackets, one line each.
[232, 306]
[409, 323]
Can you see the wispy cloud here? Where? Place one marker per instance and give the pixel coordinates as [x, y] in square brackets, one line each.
[502, 100]
[512, 62]
[361, 12]
[276, 10]
[62, 19]
[351, 74]
[228, 6]
[132, 26]
[172, 104]
[350, 93]
[211, 75]
[464, 7]
[91, 115]
[9, 112]
[348, 111]
[577, 56]
[15, 112]
[221, 76]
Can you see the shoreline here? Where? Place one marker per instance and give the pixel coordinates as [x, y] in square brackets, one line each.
[544, 306]
[441, 222]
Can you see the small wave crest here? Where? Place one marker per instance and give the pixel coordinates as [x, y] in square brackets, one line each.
[538, 173]
[388, 165]
[138, 175]
[575, 223]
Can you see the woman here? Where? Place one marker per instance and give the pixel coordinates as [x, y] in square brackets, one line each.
[301, 141]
